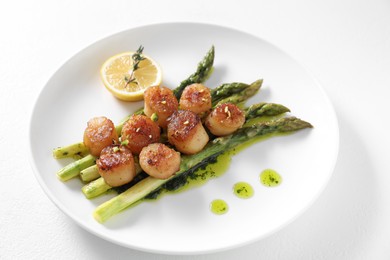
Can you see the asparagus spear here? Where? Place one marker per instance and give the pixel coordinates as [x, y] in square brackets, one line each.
[95, 188]
[264, 109]
[89, 174]
[77, 149]
[189, 163]
[73, 169]
[228, 89]
[243, 95]
[202, 72]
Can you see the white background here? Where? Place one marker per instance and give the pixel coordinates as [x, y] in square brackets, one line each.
[346, 46]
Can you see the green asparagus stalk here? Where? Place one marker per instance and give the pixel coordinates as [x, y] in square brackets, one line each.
[189, 163]
[73, 169]
[202, 72]
[227, 89]
[264, 109]
[89, 174]
[77, 149]
[243, 95]
[95, 188]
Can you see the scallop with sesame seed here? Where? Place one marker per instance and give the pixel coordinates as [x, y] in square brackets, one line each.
[116, 165]
[186, 132]
[225, 119]
[160, 101]
[196, 98]
[138, 132]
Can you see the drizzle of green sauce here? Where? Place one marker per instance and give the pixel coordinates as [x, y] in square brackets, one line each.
[270, 178]
[219, 207]
[243, 190]
[197, 178]
[213, 169]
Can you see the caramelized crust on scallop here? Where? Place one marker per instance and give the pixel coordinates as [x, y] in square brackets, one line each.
[162, 102]
[225, 119]
[139, 131]
[181, 124]
[196, 98]
[116, 165]
[159, 161]
[99, 133]
[186, 132]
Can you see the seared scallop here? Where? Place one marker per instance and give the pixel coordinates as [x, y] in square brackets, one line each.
[138, 132]
[186, 132]
[159, 161]
[160, 101]
[225, 119]
[196, 98]
[116, 165]
[100, 132]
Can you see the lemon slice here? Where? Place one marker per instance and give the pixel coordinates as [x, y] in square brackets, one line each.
[124, 83]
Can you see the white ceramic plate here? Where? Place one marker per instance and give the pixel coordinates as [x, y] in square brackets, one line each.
[182, 223]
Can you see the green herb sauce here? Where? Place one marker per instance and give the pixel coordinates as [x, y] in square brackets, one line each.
[243, 190]
[204, 174]
[270, 178]
[219, 207]
[211, 169]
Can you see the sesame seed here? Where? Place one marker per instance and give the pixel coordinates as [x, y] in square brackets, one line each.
[227, 111]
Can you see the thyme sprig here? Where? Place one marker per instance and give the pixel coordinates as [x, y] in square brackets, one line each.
[137, 57]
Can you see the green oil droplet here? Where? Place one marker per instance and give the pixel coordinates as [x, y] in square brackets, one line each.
[243, 190]
[219, 207]
[270, 178]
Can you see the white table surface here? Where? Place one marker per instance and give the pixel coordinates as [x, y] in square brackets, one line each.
[346, 46]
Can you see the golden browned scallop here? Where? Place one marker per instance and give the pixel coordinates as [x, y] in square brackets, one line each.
[160, 101]
[159, 161]
[186, 132]
[225, 119]
[196, 98]
[100, 132]
[138, 132]
[116, 165]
